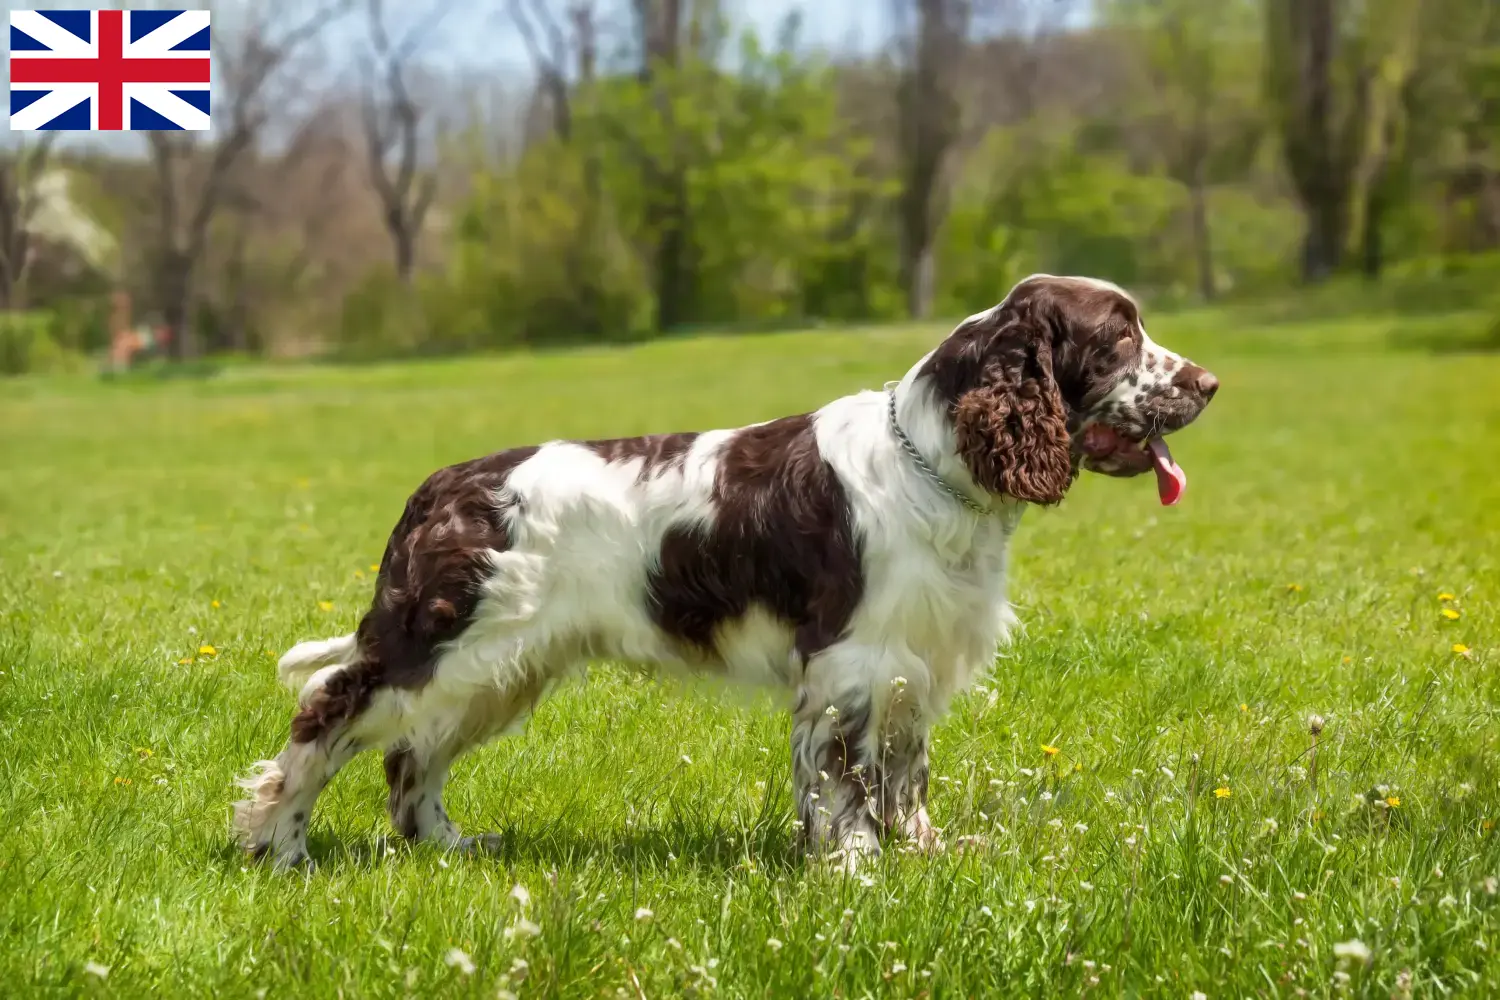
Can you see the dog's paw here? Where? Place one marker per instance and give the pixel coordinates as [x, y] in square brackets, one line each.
[479, 845]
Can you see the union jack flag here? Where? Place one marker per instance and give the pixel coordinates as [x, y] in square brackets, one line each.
[85, 70]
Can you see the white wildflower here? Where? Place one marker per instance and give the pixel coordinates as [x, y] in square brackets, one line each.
[459, 959]
[1168, 772]
[643, 914]
[1354, 948]
[95, 969]
[522, 928]
[774, 944]
[520, 895]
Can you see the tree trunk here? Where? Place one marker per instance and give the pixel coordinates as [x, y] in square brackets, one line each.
[176, 305]
[674, 276]
[404, 241]
[918, 271]
[1202, 237]
[1372, 250]
[1323, 243]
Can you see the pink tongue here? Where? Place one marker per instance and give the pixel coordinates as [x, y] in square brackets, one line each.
[1170, 479]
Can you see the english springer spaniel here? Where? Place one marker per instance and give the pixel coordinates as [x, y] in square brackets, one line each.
[854, 557]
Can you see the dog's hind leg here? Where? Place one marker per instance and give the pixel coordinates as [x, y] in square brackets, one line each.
[416, 768]
[339, 716]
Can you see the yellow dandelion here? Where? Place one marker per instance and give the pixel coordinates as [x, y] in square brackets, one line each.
[184, 661]
[1394, 801]
[1318, 814]
[1487, 825]
[213, 604]
[1445, 596]
[325, 605]
[1221, 792]
[359, 574]
[1294, 588]
[1078, 768]
[1452, 614]
[1244, 707]
[1050, 751]
[374, 567]
[1460, 649]
[1348, 659]
[207, 650]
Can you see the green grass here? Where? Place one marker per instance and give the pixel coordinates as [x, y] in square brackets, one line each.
[1340, 483]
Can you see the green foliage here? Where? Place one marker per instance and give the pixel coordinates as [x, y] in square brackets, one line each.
[781, 214]
[30, 342]
[1055, 208]
[536, 262]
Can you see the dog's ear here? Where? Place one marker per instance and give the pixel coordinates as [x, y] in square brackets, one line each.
[1012, 426]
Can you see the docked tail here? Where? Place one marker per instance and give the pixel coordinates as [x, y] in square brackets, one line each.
[306, 658]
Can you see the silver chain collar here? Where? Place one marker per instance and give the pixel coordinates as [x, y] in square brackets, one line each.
[921, 463]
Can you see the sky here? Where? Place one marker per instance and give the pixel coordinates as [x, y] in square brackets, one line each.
[479, 32]
[479, 35]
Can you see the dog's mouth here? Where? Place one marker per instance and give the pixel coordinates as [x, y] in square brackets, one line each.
[1108, 450]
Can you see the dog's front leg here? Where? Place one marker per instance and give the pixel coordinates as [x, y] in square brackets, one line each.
[833, 774]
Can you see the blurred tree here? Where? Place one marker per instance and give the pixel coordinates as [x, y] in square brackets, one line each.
[394, 134]
[930, 38]
[191, 178]
[1336, 71]
[1200, 59]
[20, 169]
[1390, 37]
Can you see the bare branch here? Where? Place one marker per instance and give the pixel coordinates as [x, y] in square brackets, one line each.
[185, 213]
[392, 124]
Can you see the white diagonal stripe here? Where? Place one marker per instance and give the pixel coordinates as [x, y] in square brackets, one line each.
[159, 98]
[64, 44]
[158, 43]
[41, 111]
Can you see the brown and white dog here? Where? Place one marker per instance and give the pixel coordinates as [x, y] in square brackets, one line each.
[854, 557]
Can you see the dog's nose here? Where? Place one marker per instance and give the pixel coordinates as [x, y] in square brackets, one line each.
[1208, 385]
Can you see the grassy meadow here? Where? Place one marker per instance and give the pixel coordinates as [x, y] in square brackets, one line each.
[1337, 554]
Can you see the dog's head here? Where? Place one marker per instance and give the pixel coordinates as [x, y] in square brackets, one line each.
[1061, 375]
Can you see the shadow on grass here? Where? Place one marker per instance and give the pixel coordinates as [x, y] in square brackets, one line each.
[717, 846]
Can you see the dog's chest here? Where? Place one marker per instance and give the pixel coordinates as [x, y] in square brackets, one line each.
[949, 608]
